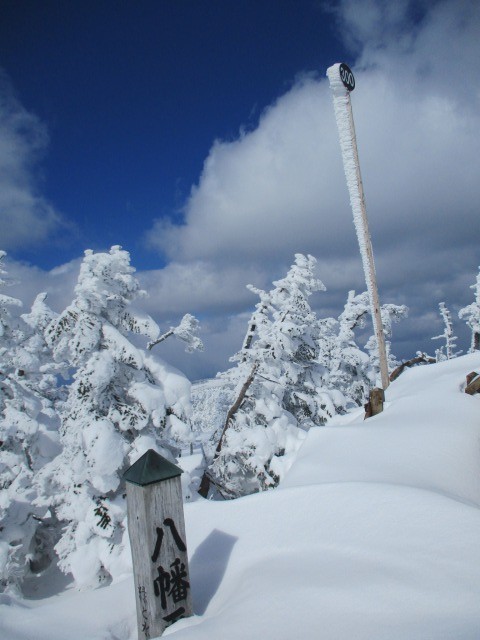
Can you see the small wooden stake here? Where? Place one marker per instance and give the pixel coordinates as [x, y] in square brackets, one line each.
[473, 383]
[375, 403]
[341, 85]
[157, 537]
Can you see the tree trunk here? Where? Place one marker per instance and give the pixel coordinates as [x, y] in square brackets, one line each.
[205, 483]
[476, 341]
[163, 337]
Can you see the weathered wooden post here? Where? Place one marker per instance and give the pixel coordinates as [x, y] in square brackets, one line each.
[473, 383]
[156, 527]
[374, 406]
[342, 83]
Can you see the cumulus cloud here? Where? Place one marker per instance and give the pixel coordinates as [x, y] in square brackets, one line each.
[259, 195]
[198, 285]
[280, 188]
[26, 218]
[28, 281]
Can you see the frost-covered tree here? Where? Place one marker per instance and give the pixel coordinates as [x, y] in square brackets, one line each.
[298, 333]
[471, 315]
[352, 370]
[28, 437]
[278, 386]
[211, 400]
[390, 313]
[42, 372]
[121, 402]
[247, 450]
[448, 350]
[347, 365]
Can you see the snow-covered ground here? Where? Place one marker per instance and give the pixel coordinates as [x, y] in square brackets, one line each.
[373, 535]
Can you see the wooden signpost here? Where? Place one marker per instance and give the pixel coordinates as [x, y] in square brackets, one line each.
[156, 528]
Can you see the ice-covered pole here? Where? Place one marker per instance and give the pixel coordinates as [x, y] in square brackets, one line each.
[341, 83]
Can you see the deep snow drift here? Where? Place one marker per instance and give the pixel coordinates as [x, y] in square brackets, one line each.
[373, 534]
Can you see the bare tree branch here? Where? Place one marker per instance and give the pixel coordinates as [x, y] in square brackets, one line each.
[421, 357]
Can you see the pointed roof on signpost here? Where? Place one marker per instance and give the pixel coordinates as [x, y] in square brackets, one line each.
[151, 468]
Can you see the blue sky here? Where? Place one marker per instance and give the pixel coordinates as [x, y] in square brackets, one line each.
[133, 94]
[201, 137]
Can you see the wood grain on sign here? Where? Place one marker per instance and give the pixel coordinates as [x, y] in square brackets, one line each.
[156, 528]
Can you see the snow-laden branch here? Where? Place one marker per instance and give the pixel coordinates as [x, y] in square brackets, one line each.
[185, 331]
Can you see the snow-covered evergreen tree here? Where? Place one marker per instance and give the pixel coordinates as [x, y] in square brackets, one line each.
[278, 383]
[28, 437]
[211, 400]
[257, 427]
[471, 315]
[300, 336]
[390, 313]
[350, 369]
[347, 365]
[447, 351]
[121, 403]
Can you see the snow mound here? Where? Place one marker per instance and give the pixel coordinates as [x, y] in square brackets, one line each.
[373, 535]
[428, 437]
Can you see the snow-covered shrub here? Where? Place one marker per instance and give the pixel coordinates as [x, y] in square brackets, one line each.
[349, 369]
[259, 446]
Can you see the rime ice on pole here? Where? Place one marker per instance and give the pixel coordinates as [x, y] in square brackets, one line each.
[351, 165]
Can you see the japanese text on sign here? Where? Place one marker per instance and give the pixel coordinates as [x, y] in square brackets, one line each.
[171, 583]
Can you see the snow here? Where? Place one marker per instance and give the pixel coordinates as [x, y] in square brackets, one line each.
[373, 534]
[427, 437]
[176, 386]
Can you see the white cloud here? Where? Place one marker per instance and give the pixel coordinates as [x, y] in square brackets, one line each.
[280, 189]
[26, 218]
[222, 337]
[200, 286]
[29, 281]
[266, 192]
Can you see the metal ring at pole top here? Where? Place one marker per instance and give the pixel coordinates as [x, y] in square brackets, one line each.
[346, 76]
